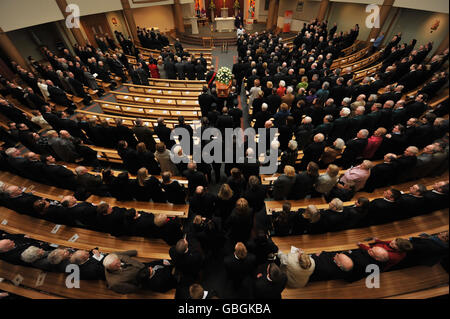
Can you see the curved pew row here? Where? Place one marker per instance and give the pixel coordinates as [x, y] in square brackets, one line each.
[39, 229]
[55, 285]
[162, 90]
[342, 62]
[394, 283]
[147, 111]
[273, 205]
[55, 193]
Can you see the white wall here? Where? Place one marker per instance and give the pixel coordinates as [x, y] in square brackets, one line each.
[427, 5]
[88, 7]
[17, 14]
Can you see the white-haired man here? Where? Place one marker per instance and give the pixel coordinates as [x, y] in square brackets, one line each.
[121, 272]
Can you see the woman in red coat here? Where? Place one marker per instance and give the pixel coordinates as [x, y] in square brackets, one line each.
[154, 72]
[396, 250]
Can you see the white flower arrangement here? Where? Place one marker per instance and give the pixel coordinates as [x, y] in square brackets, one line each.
[224, 75]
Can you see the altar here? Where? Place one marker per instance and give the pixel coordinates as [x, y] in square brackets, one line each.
[225, 24]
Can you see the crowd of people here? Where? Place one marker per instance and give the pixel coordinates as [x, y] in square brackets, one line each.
[335, 121]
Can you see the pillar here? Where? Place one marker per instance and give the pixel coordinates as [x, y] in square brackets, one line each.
[323, 10]
[269, 23]
[275, 14]
[178, 16]
[384, 11]
[129, 19]
[62, 4]
[11, 51]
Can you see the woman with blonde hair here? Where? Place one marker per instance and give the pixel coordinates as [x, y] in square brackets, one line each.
[283, 184]
[326, 182]
[147, 187]
[298, 267]
[226, 200]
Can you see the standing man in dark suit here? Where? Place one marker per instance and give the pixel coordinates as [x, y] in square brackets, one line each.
[239, 264]
[144, 135]
[163, 133]
[205, 100]
[270, 282]
[179, 66]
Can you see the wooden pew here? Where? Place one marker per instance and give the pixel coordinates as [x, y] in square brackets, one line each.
[54, 284]
[55, 193]
[358, 65]
[178, 83]
[393, 283]
[359, 75]
[39, 229]
[162, 90]
[157, 101]
[24, 292]
[130, 121]
[347, 239]
[273, 205]
[148, 112]
[343, 62]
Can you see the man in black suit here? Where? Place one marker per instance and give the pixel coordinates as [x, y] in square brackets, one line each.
[239, 264]
[195, 178]
[16, 199]
[205, 101]
[331, 266]
[189, 69]
[414, 203]
[341, 124]
[386, 209]
[13, 245]
[87, 183]
[354, 148]
[122, 132]
[406, 164]
[270, 282]
[57, 175]
[382, 174]
[163, 133]
[313, 151]
[200, 70]
[224, 121]
[157, 276]
[59, 96]
[78, 89]
[187, 258]
[179, 66]
[438, 197]
[418, 107]
[35, 168]
[144, 135]
[90, 263]
[202, 203]
[117, 67]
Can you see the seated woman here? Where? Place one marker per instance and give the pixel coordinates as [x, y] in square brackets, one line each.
[298, 267]
[396, 250]
[147, 187]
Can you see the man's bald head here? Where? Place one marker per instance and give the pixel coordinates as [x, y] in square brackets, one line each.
[344, 262]
[379, 254]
